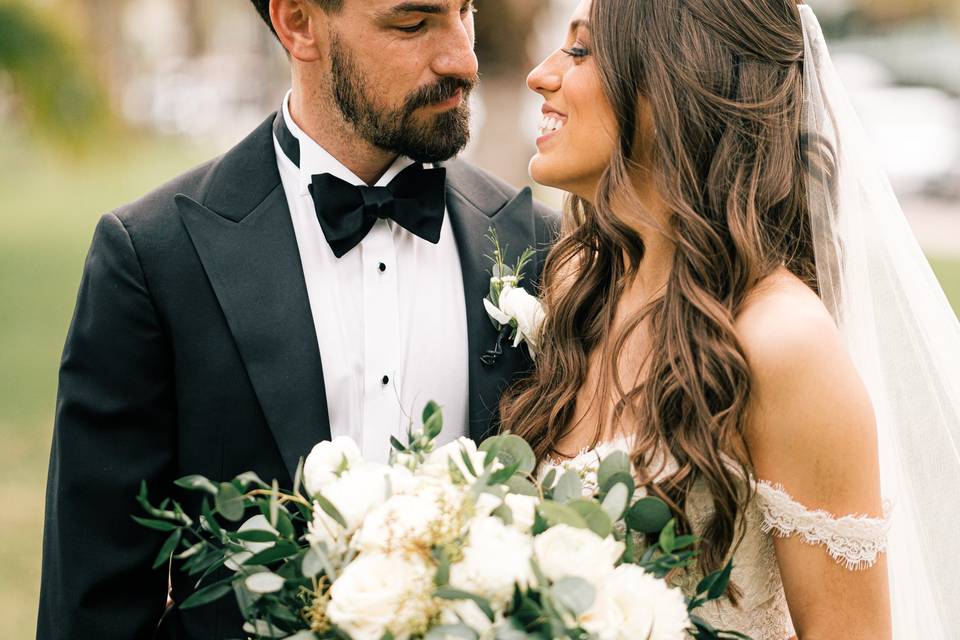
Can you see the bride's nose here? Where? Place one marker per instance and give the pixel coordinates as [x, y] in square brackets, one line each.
[544, 78]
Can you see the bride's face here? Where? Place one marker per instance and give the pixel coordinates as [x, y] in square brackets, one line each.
[578, 130]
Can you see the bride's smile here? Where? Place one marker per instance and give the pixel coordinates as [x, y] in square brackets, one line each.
[577, 132]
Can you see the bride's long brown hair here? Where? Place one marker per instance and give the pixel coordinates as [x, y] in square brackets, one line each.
[723, 81]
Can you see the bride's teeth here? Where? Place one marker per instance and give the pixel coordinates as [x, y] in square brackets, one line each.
[549, 124]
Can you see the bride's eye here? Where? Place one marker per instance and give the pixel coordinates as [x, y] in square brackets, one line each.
[576, 52]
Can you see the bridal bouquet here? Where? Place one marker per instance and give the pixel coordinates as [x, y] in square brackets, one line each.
[451, 542]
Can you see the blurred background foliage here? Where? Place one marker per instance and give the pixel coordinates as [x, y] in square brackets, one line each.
[102, 100]
[34, 50]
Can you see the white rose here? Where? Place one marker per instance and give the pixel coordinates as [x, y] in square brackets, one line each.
[256, 523]
[495, 558]
[354, 494]
[527, 310]
[379, 593]
[523, 509]
[564, 551]
[631, 603]
[327, 461]
[437, 463]
[413, 522]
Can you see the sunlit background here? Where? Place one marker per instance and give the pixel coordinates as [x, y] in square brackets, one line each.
[102, 100]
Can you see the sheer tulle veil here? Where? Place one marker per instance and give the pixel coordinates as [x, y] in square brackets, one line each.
[904, 339]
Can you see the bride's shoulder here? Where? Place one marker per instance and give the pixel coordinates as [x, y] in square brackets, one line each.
[783, 322]
[807, 400]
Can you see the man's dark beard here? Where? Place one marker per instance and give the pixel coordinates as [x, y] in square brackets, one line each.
[440, 137]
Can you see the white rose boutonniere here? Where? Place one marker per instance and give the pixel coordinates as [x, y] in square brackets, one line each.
[515, 312]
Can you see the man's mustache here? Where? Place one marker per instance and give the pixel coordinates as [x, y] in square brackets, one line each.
[442, 90]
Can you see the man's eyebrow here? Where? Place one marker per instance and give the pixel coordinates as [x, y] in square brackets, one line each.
[437, 8]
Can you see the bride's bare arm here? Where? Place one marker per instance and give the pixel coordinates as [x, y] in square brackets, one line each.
[812, 436]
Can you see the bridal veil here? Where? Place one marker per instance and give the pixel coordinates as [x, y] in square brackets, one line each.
[904, 339]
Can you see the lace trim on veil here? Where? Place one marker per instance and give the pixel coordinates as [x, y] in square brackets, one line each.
[854, 541]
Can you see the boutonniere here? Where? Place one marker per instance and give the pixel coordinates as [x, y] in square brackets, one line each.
[514, 312]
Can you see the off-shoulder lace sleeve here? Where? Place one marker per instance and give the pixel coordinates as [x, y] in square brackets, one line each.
[853, 541]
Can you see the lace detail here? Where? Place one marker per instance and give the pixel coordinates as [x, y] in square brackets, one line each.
[854, 541]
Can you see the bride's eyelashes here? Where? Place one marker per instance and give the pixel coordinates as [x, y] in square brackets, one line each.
[576, 52]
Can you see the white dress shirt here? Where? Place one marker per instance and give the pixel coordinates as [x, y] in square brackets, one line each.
[390, 314]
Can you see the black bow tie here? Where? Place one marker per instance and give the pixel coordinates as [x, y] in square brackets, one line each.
[415, 199]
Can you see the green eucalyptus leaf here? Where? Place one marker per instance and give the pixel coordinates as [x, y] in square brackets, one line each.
[513, 450]
[574, 594]
[549, 479]
[229, 502]
[197, 483]
[449, 593]
[503, 475]
[521, 486]
[434, 425]
[298, 477]
[247, 478]
[555, 513]
[429, 410]
[284, 524]
[619, 478]
[615, 502]
[593, 514]
[208, 594]
[492, 452]
[569, 487]
[330, 510]
[169, 546]
[504, 513]
[442, 577]
[616, 463]
[648, 515]
[159, 525]
[281, 550]
[256, 535]
[668, 537]
[718, 586]
[467, 462]
[208, 520]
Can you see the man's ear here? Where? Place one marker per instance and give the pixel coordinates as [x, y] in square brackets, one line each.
[295, 22]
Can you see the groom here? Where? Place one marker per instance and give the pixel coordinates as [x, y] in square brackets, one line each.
[322, 278]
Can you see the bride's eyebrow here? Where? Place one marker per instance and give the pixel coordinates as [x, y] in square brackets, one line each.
[579, 22]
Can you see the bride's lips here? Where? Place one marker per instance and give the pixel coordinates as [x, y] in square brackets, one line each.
[551, 124]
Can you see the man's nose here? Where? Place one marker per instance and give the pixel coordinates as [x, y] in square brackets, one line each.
[456, 56]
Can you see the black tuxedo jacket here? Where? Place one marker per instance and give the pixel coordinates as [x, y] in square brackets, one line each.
[193, 351]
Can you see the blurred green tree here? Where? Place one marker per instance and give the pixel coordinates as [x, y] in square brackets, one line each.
[53, 91]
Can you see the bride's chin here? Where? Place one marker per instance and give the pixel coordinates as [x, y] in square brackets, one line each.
[542, 174]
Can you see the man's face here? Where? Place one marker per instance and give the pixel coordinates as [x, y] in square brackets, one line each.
[401, 72]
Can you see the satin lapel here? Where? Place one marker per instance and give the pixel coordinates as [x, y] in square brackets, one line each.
[253, 264]
[471, 222]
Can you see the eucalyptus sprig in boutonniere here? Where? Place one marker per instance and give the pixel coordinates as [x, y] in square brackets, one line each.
[515, 313]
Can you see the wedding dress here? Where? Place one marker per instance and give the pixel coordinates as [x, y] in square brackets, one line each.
[852, 540]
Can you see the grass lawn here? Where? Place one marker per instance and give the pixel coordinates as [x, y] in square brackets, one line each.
[48, 209]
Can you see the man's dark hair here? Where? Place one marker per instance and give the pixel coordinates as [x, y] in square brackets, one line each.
[263, 8]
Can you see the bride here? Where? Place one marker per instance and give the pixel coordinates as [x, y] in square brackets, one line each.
[730, 275]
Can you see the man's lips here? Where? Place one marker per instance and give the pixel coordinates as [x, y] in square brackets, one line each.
[450, 102]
